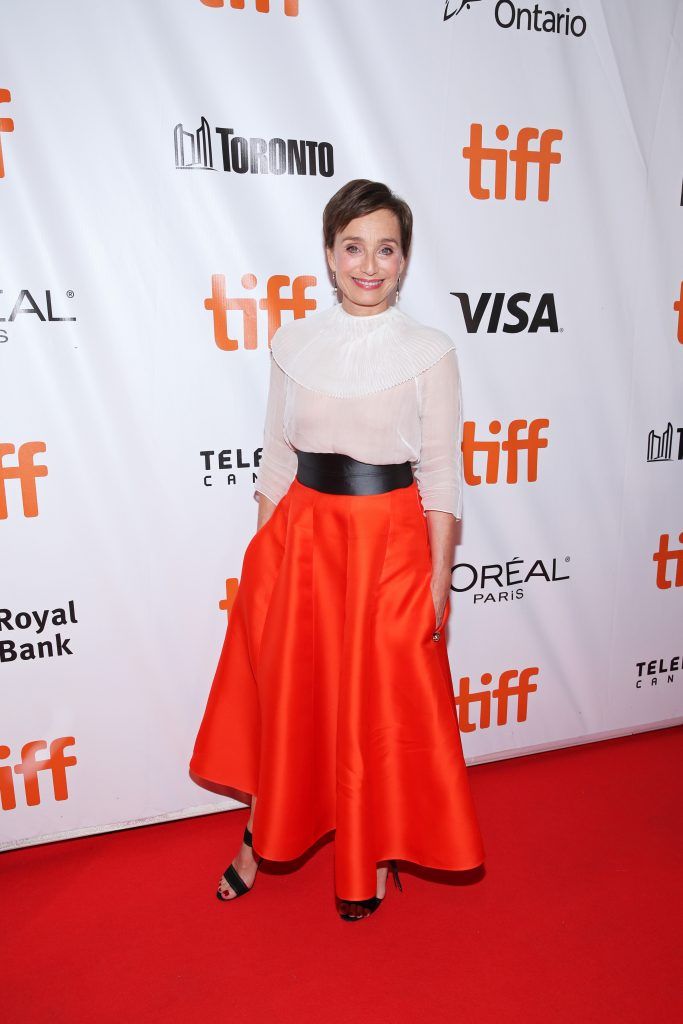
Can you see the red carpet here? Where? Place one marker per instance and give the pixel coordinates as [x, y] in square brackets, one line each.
[577, 916]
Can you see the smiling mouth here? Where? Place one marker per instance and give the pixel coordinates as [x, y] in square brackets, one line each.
[367, 285]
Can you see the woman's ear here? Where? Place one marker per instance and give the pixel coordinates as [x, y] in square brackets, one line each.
[331, 262]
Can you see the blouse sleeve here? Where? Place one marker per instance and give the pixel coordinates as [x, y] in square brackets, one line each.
[278, 463]
[438, 471]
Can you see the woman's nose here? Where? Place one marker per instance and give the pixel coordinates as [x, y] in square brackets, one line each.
[369, 264]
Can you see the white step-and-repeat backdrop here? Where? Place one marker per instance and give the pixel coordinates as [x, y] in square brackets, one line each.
[163, 169]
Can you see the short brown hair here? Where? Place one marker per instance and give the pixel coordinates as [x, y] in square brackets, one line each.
[362, 196]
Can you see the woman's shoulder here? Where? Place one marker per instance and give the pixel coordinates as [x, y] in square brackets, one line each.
[300, 329]
[351, 356]
[434, 337]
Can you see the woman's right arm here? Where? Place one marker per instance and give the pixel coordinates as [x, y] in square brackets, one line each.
[278, 463]
[265, 510]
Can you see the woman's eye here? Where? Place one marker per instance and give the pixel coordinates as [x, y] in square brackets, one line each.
[352, 248]
[387, 251]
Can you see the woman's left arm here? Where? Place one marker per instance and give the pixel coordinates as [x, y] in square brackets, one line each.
[439, 468]
[441, 526]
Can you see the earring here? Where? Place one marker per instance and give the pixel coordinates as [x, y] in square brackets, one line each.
[398, 285]
[334, 281]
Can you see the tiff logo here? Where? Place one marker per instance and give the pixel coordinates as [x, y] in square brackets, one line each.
[505, 690]
[55, 763]
[291, 7]
[231, 587]
[664, 557]
[26, 472]
[6, 125]
[678, 308]
[521, 156]
[274, 302]
[660, 446]
[515, 443]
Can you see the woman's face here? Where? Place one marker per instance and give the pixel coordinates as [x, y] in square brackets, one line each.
[367, 260]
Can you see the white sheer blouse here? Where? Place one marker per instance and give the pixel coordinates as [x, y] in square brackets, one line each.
[380, 388]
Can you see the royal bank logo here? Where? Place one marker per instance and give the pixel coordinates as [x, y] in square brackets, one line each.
[241, 154]
[663, 447]
[6, 125]
[523, 19]
[507, 458]
[235, 317]
[288, 7]
[505, 582]
[505, 692]
[511, 162]
[226, 466]
[29, 635]
[652, 673]
[512, 314]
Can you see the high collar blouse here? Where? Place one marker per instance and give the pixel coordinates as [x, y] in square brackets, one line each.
[381, 388]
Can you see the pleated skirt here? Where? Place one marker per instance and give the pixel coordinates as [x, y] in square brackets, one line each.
[332, 700]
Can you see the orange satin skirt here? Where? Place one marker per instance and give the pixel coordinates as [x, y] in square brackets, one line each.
[331, 701]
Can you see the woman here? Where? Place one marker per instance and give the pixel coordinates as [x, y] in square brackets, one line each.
[332, 704]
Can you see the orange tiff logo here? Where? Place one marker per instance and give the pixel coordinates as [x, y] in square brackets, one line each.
[231, 588]
[505, 690]
[262, 6]
[26, 472]
[521, 156]
[521, 436]
[665, 558]
[678, 308]
[6, 125]
[274, 302]
[55, 764]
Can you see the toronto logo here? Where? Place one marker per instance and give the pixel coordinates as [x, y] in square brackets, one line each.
[241, 154]
[661, 447]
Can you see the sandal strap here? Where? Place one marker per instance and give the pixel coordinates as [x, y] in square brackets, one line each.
[238, 884]
[247, 837]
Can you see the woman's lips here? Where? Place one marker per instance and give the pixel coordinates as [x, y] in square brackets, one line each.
[367, 286]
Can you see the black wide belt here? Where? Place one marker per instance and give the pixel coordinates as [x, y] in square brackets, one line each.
[340, 474]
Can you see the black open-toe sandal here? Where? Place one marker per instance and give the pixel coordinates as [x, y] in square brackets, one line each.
[232, 877]
[372, 902]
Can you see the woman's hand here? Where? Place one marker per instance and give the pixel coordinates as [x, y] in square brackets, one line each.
[265, 510]
[442, 529]
[441, 591]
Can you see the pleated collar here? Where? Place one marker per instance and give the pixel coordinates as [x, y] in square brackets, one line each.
[346, 356]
